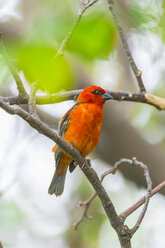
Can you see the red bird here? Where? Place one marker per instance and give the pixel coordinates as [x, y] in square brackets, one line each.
[81, 127]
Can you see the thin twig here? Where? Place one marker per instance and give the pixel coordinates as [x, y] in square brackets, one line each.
[20, 87]
[139, 203]
[32, 101]
[64, 43]
[87, 203]
[147, 197]
[136, 71]
[90, 3]
[84, 213]
[125, 213]
[134, 161]
[82, 8]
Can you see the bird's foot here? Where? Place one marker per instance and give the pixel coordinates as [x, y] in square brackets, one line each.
[87, 163]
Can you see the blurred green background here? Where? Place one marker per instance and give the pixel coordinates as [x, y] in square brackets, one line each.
[32, 32]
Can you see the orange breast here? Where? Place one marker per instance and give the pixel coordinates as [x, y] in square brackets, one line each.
[84, 127]
[83, 131]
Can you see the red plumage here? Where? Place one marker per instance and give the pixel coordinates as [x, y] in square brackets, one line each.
[81, 127]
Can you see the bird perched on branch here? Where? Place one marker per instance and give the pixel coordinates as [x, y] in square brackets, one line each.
[80, 127]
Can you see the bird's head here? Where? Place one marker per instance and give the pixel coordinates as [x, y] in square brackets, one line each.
[94, 94]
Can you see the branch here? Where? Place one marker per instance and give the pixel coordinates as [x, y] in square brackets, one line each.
[20, 87]
[87, 203]
[84, 214]
[146, 98]
[136, 205]
[117, 223]
[139, 203]
[82, 8]
[136, 71]
[47, 99]
[90, 3]
[147, 197]
[149, 186]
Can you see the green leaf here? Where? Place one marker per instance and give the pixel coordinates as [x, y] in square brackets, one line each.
[94, 37]
[39, 64]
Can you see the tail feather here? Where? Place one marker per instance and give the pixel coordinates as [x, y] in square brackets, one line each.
[57, 184]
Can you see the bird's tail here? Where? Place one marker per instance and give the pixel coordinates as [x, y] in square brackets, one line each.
[57, 184]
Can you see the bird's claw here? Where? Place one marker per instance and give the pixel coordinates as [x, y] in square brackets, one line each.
[87, 163]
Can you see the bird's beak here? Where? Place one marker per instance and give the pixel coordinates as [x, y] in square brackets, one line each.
[107, 96]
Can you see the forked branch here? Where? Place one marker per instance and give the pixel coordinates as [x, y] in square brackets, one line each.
[145, 199]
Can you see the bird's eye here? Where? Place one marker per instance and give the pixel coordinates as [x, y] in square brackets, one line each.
[97, 92]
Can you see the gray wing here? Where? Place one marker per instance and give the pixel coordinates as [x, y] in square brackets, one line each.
[62, 127]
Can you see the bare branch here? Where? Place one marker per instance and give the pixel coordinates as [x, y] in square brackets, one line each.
[87, 203]
[149, 187]
[147, 197]
[20, 87]
[139, 203]
[125, 213]
[136, 71]
[116, 222]
[1, 246]
[136, 205]
[84, 213]
[90, 3]
[146, 98]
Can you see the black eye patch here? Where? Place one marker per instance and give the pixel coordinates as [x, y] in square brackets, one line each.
[97, 92]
